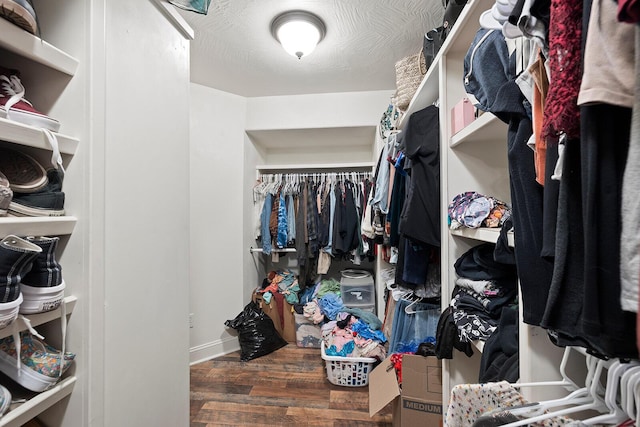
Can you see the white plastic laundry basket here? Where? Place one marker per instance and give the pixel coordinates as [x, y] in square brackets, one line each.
[347, 371]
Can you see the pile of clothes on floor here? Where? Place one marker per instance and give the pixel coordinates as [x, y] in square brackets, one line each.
[284, 282]
[346, 332]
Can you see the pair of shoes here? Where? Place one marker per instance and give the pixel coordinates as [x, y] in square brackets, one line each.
[36, 192]
[43, 286]
[36, 366]
[15, 107]
[21, 13]
[30, 277]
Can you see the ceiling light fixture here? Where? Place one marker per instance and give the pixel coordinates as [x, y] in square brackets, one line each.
[298, 31]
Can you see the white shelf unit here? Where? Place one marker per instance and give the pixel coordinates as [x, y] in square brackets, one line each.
[319, 136]
[474, 159]
[39, 403]
[482, 234]
[26, 45]
[259, 250]
[23, 412]
[32, 52]
[37, 226]
[29, 136]
[38, 319]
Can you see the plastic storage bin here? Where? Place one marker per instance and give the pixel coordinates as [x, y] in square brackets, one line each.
[357, 289]
[347, 371]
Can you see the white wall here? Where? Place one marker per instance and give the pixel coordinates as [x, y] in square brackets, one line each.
[143, 247]
[217, 188]
[317, 111]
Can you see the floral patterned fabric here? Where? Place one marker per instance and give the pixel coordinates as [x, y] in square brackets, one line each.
[468, 402]
[37, 356]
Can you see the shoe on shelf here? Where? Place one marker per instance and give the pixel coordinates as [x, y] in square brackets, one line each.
[39, 369]
[16, 256]
[24, 173]
[6, 194]
[16, 107]
[42, 287]
[21, 13]
[5, 400]
[33, 343]
[48, 201]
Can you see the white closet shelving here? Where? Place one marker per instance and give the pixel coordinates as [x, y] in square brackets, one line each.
[32, 50]
[474, 159]
[330, 150]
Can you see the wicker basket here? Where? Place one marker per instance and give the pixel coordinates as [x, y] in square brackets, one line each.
[347, 371]
[409, 74]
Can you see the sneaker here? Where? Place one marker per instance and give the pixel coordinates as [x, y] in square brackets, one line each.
[38, 369]
[21, 13]
[16, 107]
[16, 256]
[5, 400]
[34, 343]
[46, 202]
[43, 287]
[5, 195]
[24, 173]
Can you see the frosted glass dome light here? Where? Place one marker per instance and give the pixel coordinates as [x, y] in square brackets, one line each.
[298, 32]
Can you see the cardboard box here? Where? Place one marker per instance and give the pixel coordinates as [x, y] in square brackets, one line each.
[420, 400]
[285, 324]
[462, 114]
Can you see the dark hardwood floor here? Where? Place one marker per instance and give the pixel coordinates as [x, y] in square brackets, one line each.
[287, 387]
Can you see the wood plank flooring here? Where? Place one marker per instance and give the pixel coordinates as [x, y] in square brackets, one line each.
[285, 388]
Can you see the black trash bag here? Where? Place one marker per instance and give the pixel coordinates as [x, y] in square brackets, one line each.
[256, 333]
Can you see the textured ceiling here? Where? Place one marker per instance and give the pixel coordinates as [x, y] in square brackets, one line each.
[234, 51]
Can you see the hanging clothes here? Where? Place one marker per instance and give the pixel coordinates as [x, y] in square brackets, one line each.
[420, 217]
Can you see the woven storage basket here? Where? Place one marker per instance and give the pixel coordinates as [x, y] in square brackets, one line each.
[409, 74]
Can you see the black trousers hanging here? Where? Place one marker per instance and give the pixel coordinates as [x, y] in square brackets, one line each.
[584, 300]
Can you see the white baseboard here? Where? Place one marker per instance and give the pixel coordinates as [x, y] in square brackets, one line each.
[211, 350]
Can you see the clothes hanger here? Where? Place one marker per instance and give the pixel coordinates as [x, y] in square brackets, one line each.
[566, 382]
[616, 413]
[636, 393]
[413, 300]
[628, 383]
[578, 402]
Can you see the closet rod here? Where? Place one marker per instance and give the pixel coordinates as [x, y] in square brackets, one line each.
[310, 167]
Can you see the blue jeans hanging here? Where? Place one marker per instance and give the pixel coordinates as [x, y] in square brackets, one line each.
[410, 330]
